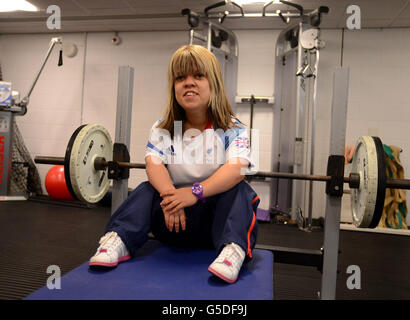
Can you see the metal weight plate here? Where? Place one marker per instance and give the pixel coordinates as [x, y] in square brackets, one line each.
[67, 161]
[83, 181]
[368, 200]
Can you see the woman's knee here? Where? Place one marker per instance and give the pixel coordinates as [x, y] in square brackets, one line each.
[144, 186]
[243, 188]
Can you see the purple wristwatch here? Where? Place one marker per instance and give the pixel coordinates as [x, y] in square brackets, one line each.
[198, 189]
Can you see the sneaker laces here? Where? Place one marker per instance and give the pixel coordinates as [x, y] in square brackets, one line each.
[109, 240]
[231, 252]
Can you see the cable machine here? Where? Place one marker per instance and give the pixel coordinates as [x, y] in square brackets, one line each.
[294, 104]
[293, 143]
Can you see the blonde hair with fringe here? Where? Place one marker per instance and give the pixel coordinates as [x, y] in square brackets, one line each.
[190, 59]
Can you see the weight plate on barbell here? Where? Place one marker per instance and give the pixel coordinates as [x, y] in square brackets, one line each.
[83, 181]
[368, 200]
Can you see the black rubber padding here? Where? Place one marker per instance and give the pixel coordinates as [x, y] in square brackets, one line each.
[381, 183]
[67, 160]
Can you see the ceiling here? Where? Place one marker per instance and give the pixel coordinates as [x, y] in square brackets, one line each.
[160, 15]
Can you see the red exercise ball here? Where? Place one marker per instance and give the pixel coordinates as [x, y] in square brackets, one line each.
[55, 184]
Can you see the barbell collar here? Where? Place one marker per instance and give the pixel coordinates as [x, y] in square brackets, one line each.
[100, 163]
[354, 181]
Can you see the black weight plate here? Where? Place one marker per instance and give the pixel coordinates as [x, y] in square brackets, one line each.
[381, 183]
[67, 160]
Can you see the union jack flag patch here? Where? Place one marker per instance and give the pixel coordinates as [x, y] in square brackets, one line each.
[242, 142]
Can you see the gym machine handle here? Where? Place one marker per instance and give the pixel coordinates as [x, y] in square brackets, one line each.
[60, 58]
[222, 3]
[299, 7]
[213, 6]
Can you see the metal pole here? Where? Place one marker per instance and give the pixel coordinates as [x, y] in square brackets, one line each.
[123, 128]
[312, 154]
[191, 36]
[209, 37]
[333, 203]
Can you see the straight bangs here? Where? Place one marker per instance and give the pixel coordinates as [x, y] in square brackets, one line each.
[186, 62]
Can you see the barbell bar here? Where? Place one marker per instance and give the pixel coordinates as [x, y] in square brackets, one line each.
[89, 156]
[101, 163]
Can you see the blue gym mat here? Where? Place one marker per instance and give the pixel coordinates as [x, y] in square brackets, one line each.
[159, 272]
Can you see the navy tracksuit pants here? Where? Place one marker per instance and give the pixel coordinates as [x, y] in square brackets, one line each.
[226, 217]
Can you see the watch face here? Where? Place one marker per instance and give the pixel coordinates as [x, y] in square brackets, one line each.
[197, 188]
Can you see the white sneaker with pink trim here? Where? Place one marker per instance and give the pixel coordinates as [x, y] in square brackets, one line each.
[228, 263]
[110, 252]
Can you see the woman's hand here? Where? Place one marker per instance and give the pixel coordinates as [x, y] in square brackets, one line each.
[177, 199]
[174, 220]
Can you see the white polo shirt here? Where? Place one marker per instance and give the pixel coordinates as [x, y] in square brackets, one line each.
[195, 156]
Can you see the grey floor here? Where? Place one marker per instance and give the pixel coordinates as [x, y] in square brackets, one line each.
[35, 235]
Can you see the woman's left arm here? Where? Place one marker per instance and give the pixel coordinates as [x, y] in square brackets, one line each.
[225, 178]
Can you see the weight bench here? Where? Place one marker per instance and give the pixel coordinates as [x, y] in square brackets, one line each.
[159, 272]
